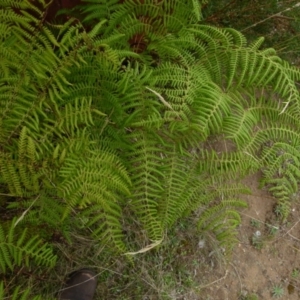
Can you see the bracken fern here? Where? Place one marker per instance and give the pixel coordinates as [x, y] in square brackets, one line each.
[118, 112]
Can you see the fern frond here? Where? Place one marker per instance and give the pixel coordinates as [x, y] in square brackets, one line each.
[240, 125]
[281, 173]
[182, 187]
[229, 163]
[222, 219]
[255, 45]
[18, 294]
[104, 222]
[15, 250]
[147, 181]
[101, 167]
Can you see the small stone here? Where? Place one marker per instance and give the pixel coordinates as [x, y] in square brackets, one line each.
[201, 244]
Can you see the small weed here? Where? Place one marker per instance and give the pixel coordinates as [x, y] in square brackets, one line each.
[281, 211]
[273, 229]
[249, 297]
[255, 223]
[277, 291]
[257, 241]
[295, 273]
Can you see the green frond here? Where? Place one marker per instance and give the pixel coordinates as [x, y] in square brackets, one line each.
[100, 172]
[255, 45]
[16, 250]
[18, 293]
[147, 184]
[46, 211]
[229, 163]
[104, 222]
[222, 219]
[210, 107]
[240, 125]
[281, 172]
[76, 114]
[181, 188]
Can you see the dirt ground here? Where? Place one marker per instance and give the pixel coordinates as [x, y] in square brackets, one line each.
[266, 261]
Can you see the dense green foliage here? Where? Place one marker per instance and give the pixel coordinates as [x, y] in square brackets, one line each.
[119, 120]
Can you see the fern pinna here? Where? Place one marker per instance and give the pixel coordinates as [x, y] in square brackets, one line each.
[117, 111]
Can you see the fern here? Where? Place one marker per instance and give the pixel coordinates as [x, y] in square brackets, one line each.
[146, 112]
[18, 294]
[147, 183]
[18, 249]
[221, 219]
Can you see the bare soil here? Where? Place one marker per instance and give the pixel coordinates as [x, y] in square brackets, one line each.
[267, 256]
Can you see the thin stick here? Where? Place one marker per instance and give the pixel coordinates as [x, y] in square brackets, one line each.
[292, 228]
[160, 97]
[241, 286]
[273, 16]
[145, 249]
[293, 237]
[26, 211]
[205, 286]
